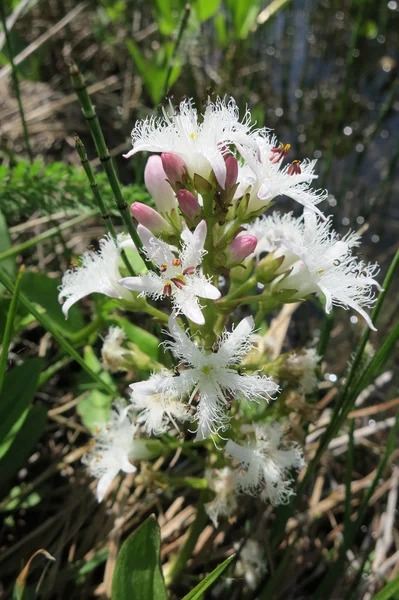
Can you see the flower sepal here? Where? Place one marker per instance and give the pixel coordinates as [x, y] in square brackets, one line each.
[266, 269]
[202, 185]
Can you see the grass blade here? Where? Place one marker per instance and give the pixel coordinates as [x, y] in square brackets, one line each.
[327, 586]
[9, 326]
[196, 593]
[65, 345]
[389, 591]
[46, 235]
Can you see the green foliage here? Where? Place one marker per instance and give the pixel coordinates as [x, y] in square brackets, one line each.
[154, 70]
[148, 343]
[5, 243]
[94, 408]
[43, 291]
[51, 188]
[196, 593]
[138, 573]
[390, 591]
[20, 423]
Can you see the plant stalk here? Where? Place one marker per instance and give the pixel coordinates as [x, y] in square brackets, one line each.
[14, 75]
[93, 123]
[98, 198]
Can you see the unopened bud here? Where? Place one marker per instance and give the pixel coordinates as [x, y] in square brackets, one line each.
[150, 218]
[267, 268]
[240, 248]
[188, 204]
[156, 182]
[174, 167]
[231, 171]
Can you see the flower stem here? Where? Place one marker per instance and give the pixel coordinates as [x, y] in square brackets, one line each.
[98, 198]
[15, 81]
[93, 123]
[156, 313]
[238, 293]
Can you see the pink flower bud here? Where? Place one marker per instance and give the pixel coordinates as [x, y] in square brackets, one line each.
[240, 248]
[174, 167]
[149, 217]
[155, 181]
[231, 171]
[188, 204]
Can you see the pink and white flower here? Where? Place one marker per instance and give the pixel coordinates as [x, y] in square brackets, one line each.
[179, 276]
[201, 143]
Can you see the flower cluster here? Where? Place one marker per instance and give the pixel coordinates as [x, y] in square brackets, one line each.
[212, 252]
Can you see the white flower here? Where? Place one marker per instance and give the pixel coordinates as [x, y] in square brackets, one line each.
[267, 462]
[202, 144]
[269, 229]
[112, 352]
[113, 448]
[98, 272]
[303, 366]
[157, 404]
[268, 179]
[214, 375]
[251, 563]
[222, 482]
[320, 262]
[178, 277]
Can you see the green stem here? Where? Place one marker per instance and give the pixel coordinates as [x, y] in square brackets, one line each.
[46, 235]
[65, 345]
[155, 312]
[183, 25]
[98, 198]
[238, 293]
[52, 369]
[9, 327]
[93, 123]
[14, 75]
[180, 561]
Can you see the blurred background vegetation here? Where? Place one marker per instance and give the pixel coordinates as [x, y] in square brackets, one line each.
[324, 75]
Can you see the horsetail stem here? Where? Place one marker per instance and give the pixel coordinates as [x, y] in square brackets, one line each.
[14, 75]
[98, 198]
[90, 115]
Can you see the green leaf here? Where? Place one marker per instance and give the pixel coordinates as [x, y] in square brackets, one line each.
[94, 408]
[138, 572]
[205, 9]
[18, 391]
[5, 244]
[154, 70]
[43, 290]
[199, 589]
[390, 591]
[23, 443]
[148, 343]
